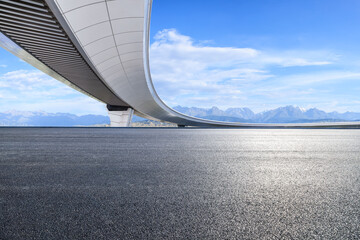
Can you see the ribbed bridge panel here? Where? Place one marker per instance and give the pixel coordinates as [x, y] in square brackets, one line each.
[34, 28]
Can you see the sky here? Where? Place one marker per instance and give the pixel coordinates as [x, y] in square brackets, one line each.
[260, 54]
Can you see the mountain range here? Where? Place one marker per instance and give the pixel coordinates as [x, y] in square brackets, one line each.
[21, 118]
[288, 114]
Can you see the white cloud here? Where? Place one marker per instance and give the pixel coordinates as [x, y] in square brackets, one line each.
[32, 90]
[192, 74]
[3, 65]
[79, 105]
[33, 82]
[297, 58]
[292, 62]
[319, 77]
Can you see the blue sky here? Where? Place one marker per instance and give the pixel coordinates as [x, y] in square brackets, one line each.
[260, 54]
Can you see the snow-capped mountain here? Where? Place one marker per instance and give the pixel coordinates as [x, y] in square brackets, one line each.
[244, 113]
[286, 114]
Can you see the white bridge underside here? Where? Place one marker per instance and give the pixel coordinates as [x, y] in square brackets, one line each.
[113, 36]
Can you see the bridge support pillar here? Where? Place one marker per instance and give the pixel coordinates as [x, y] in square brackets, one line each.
[120, 116]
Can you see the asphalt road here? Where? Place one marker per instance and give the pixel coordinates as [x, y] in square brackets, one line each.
[102, 183]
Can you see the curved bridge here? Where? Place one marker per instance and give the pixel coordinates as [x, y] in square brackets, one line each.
[100, 48]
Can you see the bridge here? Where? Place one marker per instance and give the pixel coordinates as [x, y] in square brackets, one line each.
[100, 48]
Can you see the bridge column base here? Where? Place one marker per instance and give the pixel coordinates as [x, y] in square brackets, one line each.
[120, 116]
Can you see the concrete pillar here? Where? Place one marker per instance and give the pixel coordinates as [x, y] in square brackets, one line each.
[120, 116]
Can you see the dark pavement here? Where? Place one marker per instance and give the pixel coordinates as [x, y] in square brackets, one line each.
[102, 183]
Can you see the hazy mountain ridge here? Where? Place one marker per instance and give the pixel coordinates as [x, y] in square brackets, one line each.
[286, 114]
[19, 118]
